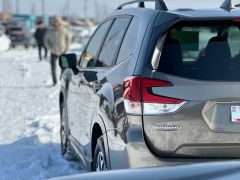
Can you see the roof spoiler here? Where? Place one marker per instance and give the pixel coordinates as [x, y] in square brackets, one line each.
[228, 5]
[159, 4]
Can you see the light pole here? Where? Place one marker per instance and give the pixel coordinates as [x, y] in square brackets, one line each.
[43, 8]
[4, 6]
[17, 7]
[68, 8]
[85, 8]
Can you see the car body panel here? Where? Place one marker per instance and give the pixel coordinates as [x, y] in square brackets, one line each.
[203, 127]
[220, 170]
[95, 97]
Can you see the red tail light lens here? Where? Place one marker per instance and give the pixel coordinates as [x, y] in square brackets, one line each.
[131, 89]
[237, 20]
[139, 98]
[20, 33]
[149, 97]
[132, 95]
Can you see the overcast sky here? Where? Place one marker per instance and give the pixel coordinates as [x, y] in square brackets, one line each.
[98, 7]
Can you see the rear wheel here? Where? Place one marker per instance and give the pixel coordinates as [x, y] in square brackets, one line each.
[100, 163]
[66, 148]
[26, 46]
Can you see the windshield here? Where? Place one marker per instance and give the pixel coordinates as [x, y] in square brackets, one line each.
[16, 29]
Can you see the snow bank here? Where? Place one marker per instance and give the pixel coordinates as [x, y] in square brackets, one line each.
[5, 42]
[29, 119]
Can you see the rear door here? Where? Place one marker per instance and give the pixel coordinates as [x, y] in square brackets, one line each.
[78, 100]
[196, 106]
[94, 81]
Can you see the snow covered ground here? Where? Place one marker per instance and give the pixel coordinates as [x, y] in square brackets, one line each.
[29, 119]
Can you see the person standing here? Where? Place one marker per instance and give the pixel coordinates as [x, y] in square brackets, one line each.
[39, 36]
[57, 40]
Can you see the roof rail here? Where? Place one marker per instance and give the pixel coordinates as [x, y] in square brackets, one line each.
[159, 4]
[228, 5]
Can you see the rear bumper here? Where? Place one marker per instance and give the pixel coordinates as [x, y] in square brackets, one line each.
[187, 134]
[129, 150]
[137, 155]
[140, 156]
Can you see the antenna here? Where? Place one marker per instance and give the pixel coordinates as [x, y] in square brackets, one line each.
[228, 5]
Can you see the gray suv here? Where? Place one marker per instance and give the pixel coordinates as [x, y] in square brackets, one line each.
[154, 87]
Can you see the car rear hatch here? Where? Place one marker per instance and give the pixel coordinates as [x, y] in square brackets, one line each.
[191, 103]
[17, 34]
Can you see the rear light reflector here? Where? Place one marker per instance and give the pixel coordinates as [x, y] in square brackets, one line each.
[132, 107]
[155, 108]
[139, 98]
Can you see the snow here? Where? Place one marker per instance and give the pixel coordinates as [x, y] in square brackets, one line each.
[29, 119]
[5, 42]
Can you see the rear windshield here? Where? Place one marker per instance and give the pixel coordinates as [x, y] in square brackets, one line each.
[202, 51]
[15, 29]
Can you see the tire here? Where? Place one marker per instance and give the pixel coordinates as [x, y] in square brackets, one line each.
[99, 162]
[26, 46]
[66, 149]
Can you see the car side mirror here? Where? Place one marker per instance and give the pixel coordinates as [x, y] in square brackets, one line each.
[68, 61]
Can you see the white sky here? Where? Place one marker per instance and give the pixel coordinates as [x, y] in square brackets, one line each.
[57, 7]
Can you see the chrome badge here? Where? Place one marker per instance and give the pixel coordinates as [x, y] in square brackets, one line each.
[166, 127]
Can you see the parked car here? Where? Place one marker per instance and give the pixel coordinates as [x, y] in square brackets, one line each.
[20, 36]
[154, 87]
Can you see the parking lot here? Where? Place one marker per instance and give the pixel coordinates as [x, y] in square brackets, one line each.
[29, 125]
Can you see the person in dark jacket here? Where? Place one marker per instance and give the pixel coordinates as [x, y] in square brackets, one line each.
[39, 36]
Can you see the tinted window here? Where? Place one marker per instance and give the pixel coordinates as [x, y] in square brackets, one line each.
[203, 51]
[15, 29]
[129, 42]
[92, 48]
[113, 41]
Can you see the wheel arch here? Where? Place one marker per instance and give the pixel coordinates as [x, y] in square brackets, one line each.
[62, 95]
[98, 130]
[61, 98]
[96, 133]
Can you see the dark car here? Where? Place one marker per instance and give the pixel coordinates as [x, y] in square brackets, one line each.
[19, 36]
[154, 87]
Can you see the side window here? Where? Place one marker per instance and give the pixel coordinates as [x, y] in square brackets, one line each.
[93, 46]
[113, 41]
[233, 34]
[129, 42]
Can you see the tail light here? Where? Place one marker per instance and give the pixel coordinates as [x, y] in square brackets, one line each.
[18, 32]
[139, 98]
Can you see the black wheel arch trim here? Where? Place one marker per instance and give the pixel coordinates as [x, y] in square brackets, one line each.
[99, 120]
